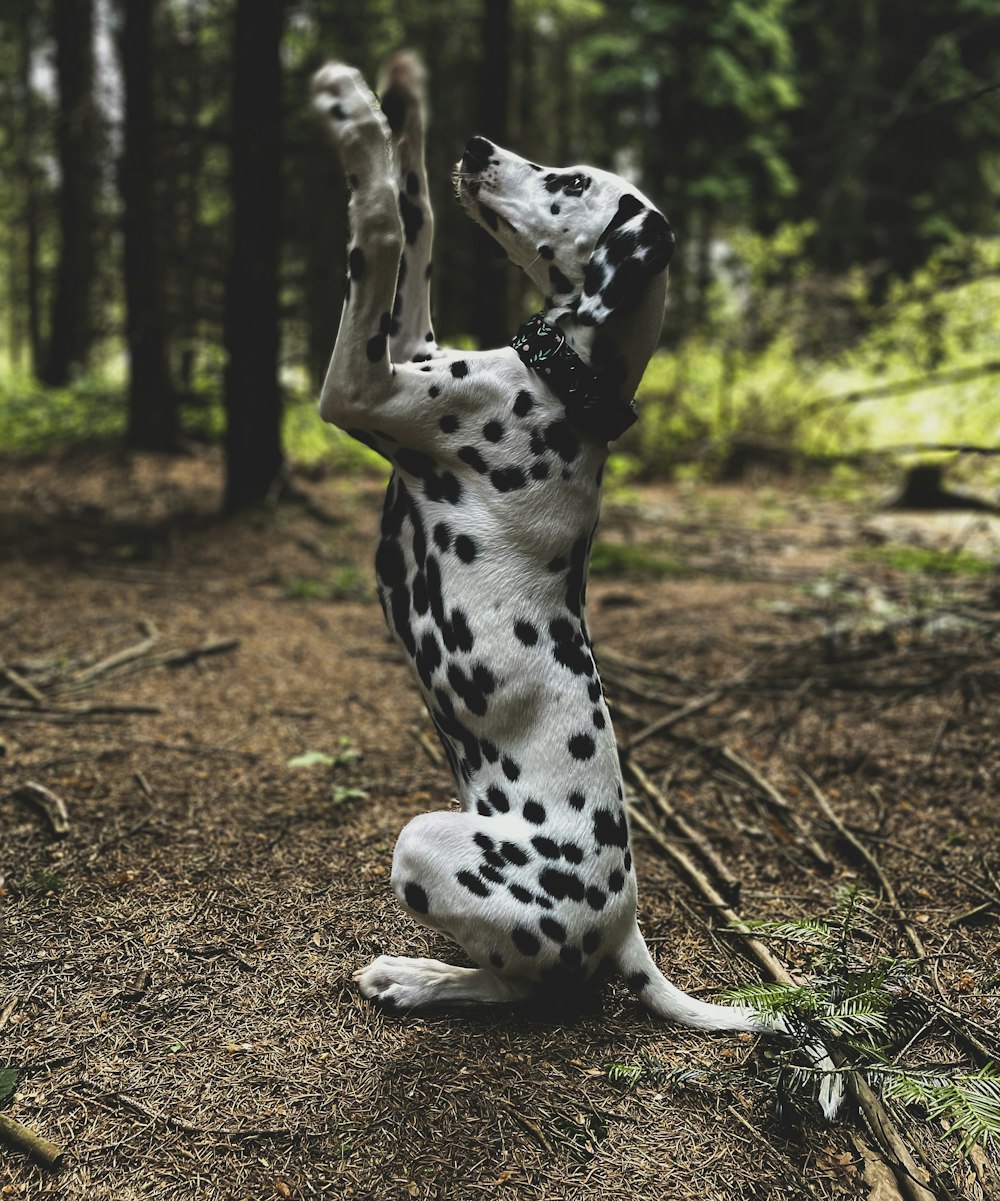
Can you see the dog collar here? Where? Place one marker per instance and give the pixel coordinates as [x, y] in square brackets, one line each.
[543, 348]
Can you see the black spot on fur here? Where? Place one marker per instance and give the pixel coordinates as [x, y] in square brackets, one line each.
[513, 853]
[465, 548]
[449, 423]
[520, 894]
[637, 981]
[552, 929]
[546, 847]
[610, 830]
[490, 752]
[572, 853]
[459, 369]
[525, 632]
[596, 899]
[473, 883]
[508, 479]
[581, 746]
[442, 536]
[356, 262]
[472, 458]
[577, 800]
[496, 960]
[591, 941]
[560, 437]
[510, 768]
[390, 565]
[413, 218]
[534, 813]
[416, 898]
[525, 941]
[493, 431]
[539, 470]
[375, 348]
[561, 884]
[498, 799]
[524, 403]
[616, 881]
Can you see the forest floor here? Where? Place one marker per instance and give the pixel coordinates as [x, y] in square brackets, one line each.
[175, 969]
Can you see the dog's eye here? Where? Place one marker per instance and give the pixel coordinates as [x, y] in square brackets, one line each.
[576, 185]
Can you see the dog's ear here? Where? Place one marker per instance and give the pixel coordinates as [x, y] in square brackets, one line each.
[636, 246]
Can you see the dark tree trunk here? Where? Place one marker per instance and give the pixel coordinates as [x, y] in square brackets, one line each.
[152, 411]
[253, 396]
[29, 211]
[490, 313]
[76, 140]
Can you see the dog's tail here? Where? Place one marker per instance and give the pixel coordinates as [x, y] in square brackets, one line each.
[661, 997]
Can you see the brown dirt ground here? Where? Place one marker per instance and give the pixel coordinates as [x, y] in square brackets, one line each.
[175, 973]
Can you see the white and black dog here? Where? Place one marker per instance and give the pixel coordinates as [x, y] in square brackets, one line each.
[485, 542]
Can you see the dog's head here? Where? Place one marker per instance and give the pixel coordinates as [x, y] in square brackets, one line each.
[594, 246]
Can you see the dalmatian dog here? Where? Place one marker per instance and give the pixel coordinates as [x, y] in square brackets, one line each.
[482, 564]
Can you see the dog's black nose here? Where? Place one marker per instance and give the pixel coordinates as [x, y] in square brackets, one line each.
[477, 155]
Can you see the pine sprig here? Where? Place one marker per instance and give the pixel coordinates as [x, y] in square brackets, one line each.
[865, 1006]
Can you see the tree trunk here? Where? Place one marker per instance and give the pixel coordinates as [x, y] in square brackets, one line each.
[76, 141]
[29, 211]
[152, 410]
[253, 397]
[490, 314]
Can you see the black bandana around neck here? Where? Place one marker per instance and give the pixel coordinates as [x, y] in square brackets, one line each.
[543, 349]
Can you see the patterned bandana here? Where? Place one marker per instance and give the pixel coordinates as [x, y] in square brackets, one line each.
[543, 349]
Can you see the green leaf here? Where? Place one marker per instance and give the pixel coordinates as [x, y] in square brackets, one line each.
[312, 759]
[8, 1082]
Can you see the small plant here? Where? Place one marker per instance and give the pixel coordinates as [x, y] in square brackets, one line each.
[868, 1008]
[41, 883]
[345, 754]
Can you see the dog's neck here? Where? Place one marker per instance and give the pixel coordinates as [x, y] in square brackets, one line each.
[593, 404]
[618, 350]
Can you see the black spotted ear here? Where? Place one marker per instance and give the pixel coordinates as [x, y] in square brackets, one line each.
[636, 246]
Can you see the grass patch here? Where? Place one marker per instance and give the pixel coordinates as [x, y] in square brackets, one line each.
[637, 562]
[922, 560]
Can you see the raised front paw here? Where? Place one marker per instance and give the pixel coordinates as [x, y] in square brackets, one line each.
[402, 87]
[358, 127]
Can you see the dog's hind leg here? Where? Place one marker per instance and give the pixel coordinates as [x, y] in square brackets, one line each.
[404, 106]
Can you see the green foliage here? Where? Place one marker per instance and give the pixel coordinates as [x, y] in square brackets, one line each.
[970, 1103]
[764, 372]
[34, 418]
[41, 883]
[926, 560]
[867, 1005]
[346, 754]
[617, 560]
[8, 1082]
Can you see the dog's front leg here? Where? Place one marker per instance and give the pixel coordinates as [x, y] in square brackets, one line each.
[404, 106]
[360, 371]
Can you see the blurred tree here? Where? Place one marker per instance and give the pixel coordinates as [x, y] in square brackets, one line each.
[77, 140]
[694, 99]
[153, 418]
[252, 389]
[491, 320]
[892, 140]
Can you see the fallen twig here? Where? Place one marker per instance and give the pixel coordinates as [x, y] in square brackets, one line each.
[730, 882]
[909, 1176]
[45, 799]
[22, 1139]
[784, 807]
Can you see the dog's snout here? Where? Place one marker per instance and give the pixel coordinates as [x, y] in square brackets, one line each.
[477, 155]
